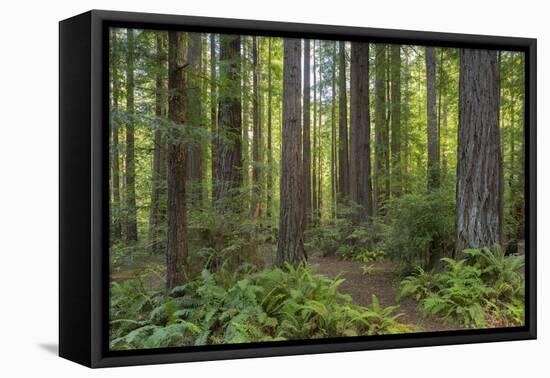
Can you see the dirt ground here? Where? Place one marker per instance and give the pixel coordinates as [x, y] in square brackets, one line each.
[383, 282]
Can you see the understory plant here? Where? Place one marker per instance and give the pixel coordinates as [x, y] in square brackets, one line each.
[215, 308]
[485, 289]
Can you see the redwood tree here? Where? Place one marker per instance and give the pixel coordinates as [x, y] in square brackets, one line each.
[177, 240]
[290, 246]
[479, 189]
[433, 132]
[360, 150]
[343, 151]
[131, 211]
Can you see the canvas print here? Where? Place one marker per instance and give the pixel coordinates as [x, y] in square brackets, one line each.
[267, 189]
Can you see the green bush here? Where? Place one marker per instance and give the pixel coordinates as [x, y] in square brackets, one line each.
[419, 223]
[486, 289]
[217, 308]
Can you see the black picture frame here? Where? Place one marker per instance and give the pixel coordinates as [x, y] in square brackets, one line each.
[83, 194]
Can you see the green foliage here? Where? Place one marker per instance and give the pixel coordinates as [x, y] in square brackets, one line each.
[215, 308]
[485, 289]
[418, 222]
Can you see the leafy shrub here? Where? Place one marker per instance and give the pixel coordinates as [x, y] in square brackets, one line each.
[273, 304]
[485, 289]
[418, 223]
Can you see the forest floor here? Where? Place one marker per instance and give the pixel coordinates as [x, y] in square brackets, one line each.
[383, 282]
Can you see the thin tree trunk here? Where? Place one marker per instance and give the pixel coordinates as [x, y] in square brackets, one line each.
[314, 200]
[213, 111]
[116, 208]
[381, 143]
[333, 162]
[177, 241]
[343, 149]
[269, 133]
[193, 119]
[131, 211]
[158, 190]
[257, 153]
[433, 135]
[290, 246]
[395, 73]
[360, 150]
[479, 194]
[306, 134]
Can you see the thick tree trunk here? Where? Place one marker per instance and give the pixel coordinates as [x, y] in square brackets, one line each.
[306, 133]
[158, 190]
[433, 132]
[395, 73]
[257, 153]
[343, 150]
[115, 156]
[381, 132]
[177, 242]
[193, 119]
[479, 194]
[360, 150]
[228, 174]
[131, 211]
[290, 246]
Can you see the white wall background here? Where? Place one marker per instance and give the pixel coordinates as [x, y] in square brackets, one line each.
[29, 186]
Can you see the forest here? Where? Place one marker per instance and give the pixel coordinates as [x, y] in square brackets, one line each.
[269, 189]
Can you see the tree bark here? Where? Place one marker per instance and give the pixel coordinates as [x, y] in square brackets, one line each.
[257, 153]
[213, 111]
[433, 132]
[193, 119]
[177, 242]
[395, 73]
[360, 150]
[314, 200]
[479, 194]
[131, 211]
[158, 190]
[343, 149]
[115, 156]
[269, 133]
[381, 132]
[333, 148]
[290, 246]
[229, 164]
[306, 134]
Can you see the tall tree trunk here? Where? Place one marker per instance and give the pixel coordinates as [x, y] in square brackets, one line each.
[479, 194]
[158, 190]
[395, 73]
[269, 133]
[245, 101]
[333, 158]
[343, 150]
[381, 142]
[290, 246]
[193, 119]
[306, 133]
[360, 151]
[433, 132]
[116, 208]
[228, 174]
[131, 211]
[319, 150]
[314, 201]
[177, 241]
[213, 110]
[257, 153]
